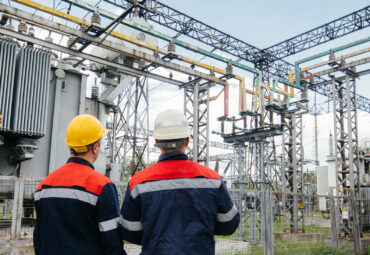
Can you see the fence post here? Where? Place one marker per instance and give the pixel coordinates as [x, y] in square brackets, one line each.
[356, 224]
[17, 208]
[334, 232]
[267, 222]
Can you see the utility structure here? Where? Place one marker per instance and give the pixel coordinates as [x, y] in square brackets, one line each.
[253, 196]
[292, 170]
[197, 89]
[345, 132]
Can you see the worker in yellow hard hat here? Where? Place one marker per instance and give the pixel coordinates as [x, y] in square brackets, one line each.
[77, 208]
[176, 206]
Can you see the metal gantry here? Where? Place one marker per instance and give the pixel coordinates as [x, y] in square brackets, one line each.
[332, 30]
[270, 59]
[292, 173]
[132, 124]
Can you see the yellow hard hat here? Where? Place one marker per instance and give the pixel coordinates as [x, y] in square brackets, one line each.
[83, 130]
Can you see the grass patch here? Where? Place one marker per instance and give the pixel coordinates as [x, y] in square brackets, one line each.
[295, 248]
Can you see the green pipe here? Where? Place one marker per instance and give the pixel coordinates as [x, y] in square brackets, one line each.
[364, 148]
[165, 37]
[292, 84]
[274, 83]
[343, 47]
[162, 36]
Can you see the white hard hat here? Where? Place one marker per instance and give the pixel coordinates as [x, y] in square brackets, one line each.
[171, 125]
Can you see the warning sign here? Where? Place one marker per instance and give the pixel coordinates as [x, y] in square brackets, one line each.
[345, 215]
[301, 206]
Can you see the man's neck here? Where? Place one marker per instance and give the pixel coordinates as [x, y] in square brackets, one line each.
[86, 157]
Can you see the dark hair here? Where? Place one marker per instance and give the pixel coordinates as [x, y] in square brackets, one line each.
[170, 144]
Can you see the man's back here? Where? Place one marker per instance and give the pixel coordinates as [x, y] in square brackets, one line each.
[180, 205]
[77, 212]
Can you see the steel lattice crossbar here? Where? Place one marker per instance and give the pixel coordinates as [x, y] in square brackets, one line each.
[269, 59]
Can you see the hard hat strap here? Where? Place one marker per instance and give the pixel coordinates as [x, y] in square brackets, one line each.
[170, 144]
[83, 149]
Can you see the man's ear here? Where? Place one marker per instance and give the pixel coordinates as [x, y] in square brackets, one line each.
[187, 142]
[96, 148]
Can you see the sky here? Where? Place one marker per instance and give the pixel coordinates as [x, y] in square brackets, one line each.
[265, 23]
[261, 24]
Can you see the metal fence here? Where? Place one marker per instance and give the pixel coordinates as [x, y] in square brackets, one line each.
[262, 229]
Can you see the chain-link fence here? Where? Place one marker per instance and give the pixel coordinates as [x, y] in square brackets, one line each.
[265, 228]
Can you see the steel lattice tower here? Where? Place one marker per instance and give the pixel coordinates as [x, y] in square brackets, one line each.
[292, 171]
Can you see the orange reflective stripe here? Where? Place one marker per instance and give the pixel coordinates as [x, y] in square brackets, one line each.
[74, 174]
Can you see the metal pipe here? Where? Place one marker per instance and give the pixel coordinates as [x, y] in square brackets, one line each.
[123, 68]
[350, 55]
[226, 100]
[346, 66]
[157, 34]
[343, 47]
[143, 44]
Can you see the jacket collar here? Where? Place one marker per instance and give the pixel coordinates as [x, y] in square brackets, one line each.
[175, 155]
[82, 161]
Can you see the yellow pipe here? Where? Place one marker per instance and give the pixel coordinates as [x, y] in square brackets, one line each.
[276, 90]
[340, 188]
[132, 40]
[116, 34]
[353, 54]
[242, 103]
[79, 21]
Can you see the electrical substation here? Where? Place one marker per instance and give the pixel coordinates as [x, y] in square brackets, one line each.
[106, 58]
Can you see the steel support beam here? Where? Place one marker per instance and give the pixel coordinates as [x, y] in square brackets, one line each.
[293, 173]
[240, 183]
[132, 146]
[346, 147]
[196, 108]
[347, 24]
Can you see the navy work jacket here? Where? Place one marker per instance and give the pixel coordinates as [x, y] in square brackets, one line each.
[176, 207]
[77, 212]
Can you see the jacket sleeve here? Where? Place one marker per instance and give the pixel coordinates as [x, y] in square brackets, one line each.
[130, 219]
[108, 211]
[228, 216]
[36, 235]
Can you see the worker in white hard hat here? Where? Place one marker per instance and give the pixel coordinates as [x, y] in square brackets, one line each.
[77, 208]
[176, 206]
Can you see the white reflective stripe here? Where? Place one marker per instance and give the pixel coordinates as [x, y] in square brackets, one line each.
[171, 123]
[225, 217]
[187, 183]
[108, 225]
[67, 193]
[130, 225]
